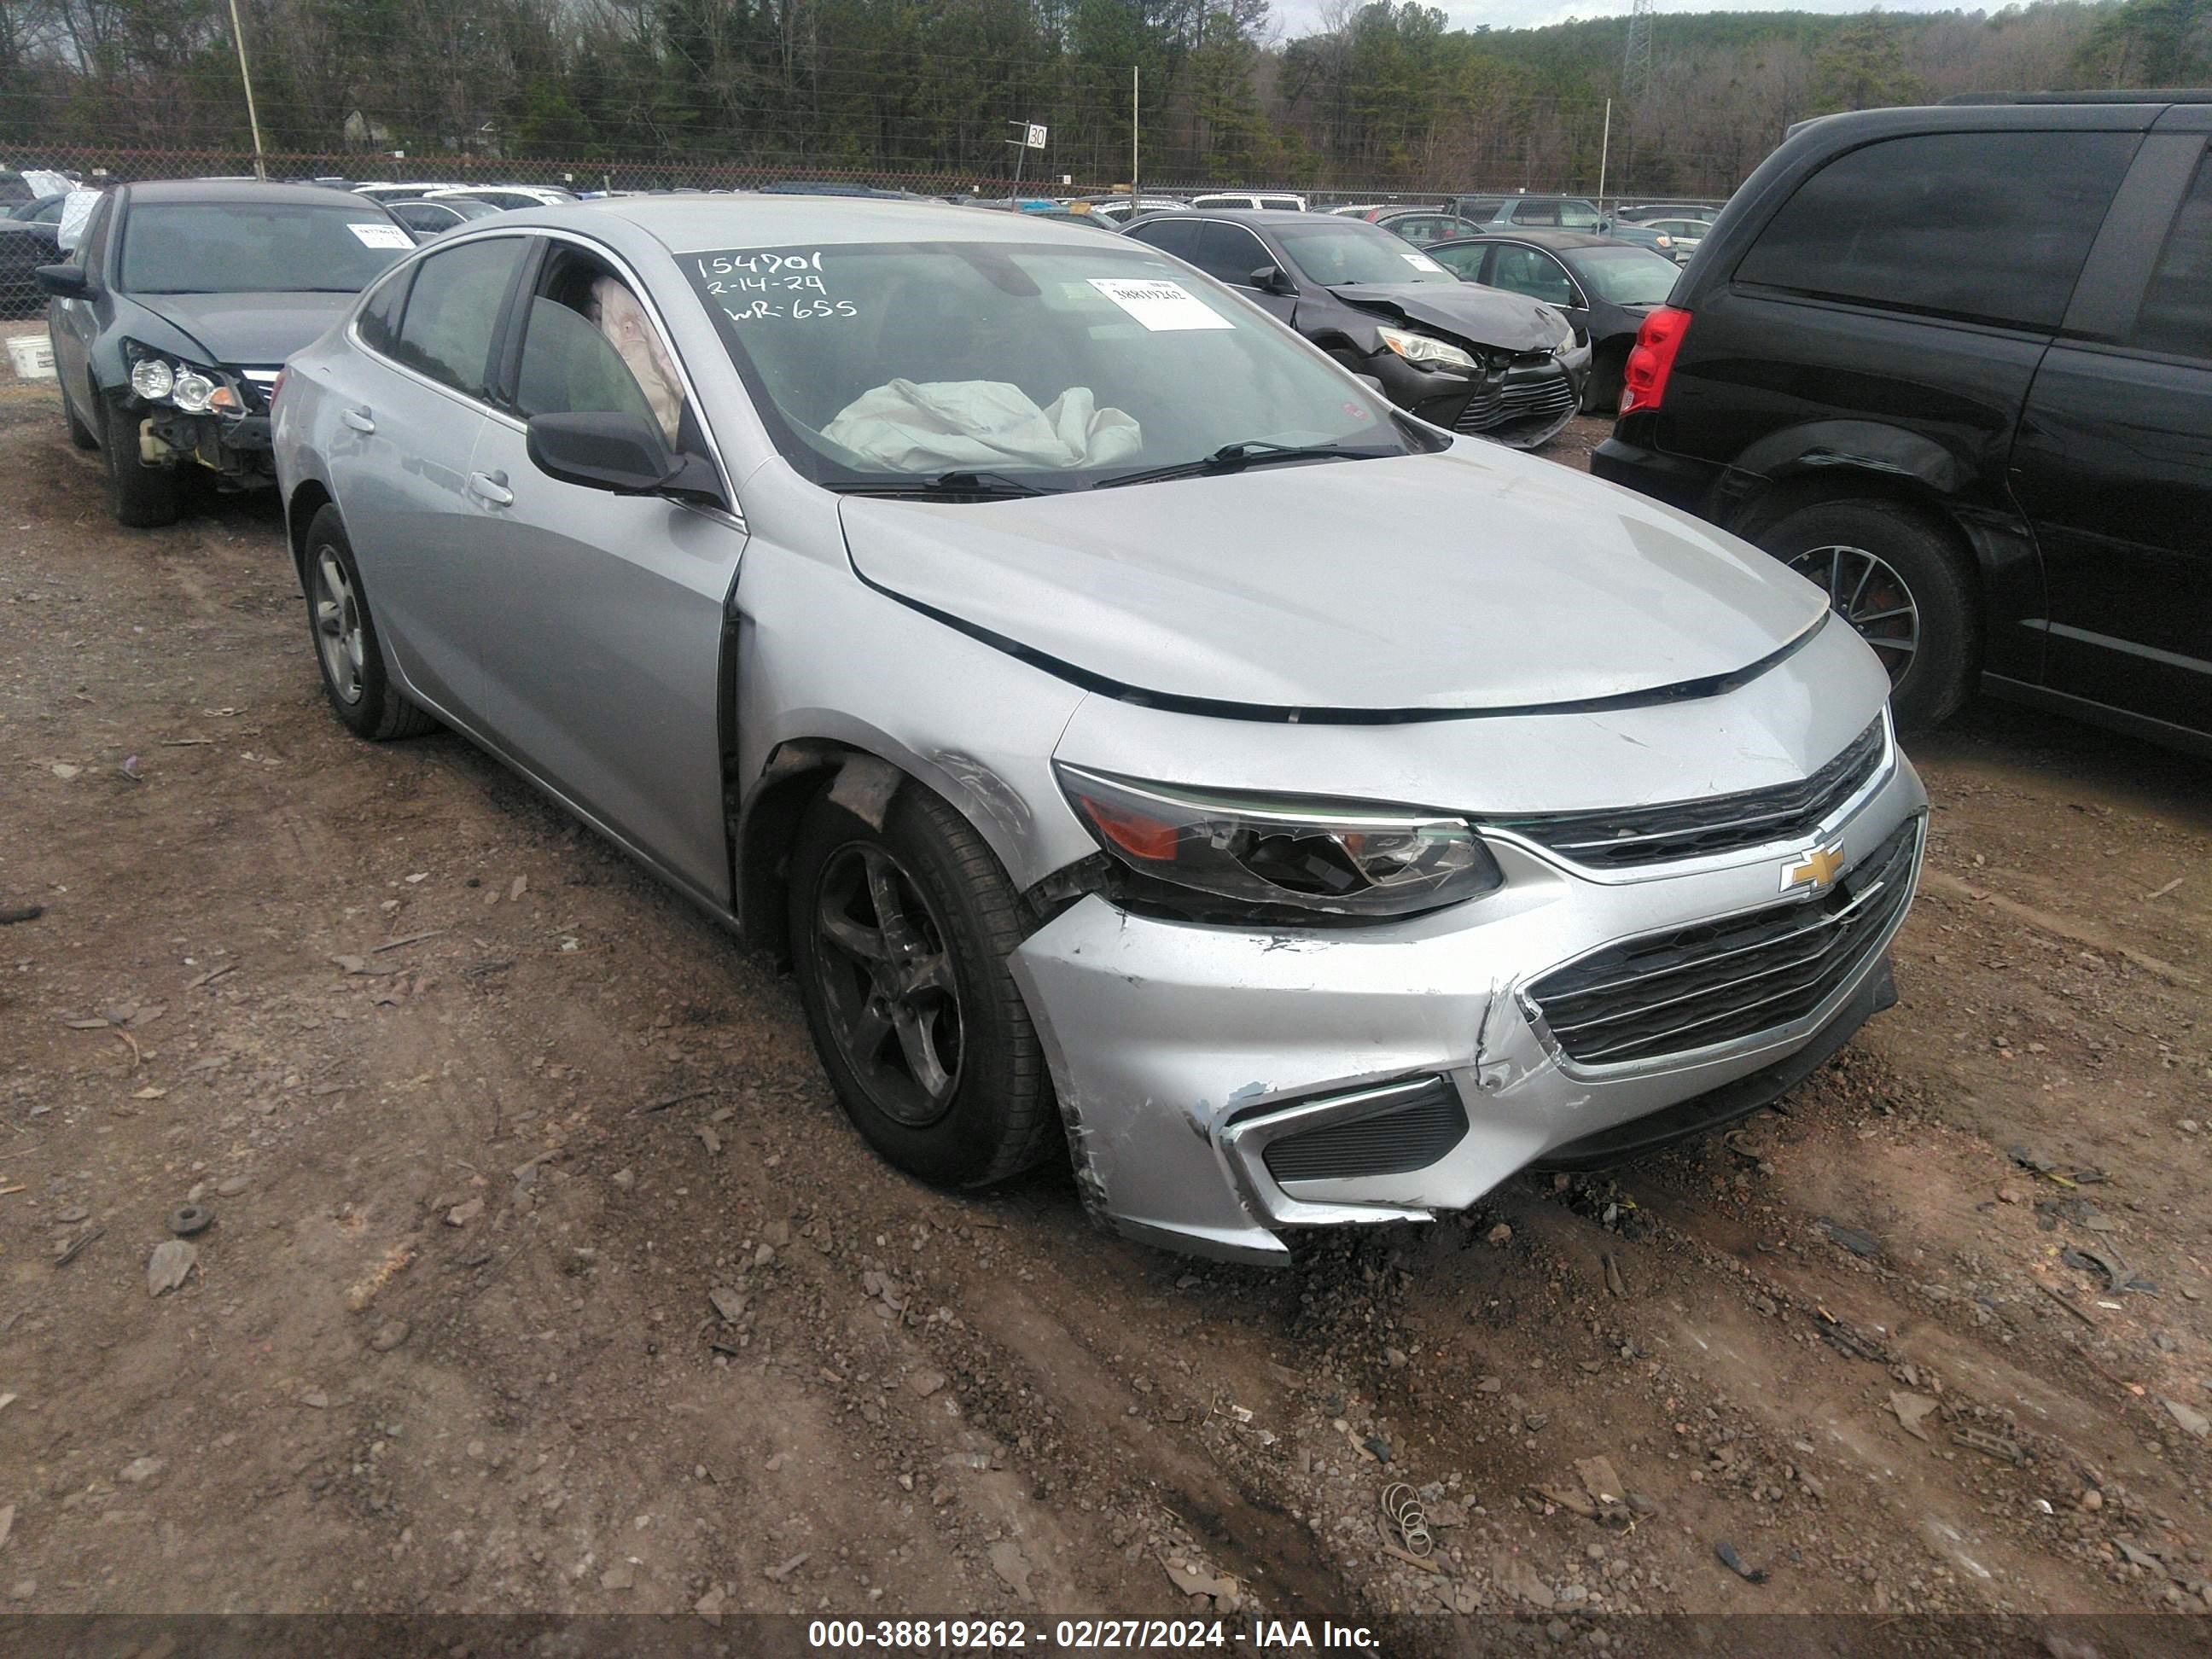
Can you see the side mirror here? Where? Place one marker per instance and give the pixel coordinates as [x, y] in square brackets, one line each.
[64, 282]
[623, 454]
[1270, 279]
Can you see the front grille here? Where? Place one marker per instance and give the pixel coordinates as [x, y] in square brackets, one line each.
[1633, 835]
[1690, 987]
[1531, 396]
[1395, 1141]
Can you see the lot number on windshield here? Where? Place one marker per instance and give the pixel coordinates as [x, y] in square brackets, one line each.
[751, 287]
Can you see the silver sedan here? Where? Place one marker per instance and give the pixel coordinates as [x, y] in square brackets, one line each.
[1147, 745]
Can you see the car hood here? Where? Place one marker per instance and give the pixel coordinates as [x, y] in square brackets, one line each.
[1486, 316]
[1461, 581]
[248, 330]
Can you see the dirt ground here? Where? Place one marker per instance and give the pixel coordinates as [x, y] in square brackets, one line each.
[545, 1275]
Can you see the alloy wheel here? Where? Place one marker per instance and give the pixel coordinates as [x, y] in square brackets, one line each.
[887, 981]
[337, 626]
[1866, 592]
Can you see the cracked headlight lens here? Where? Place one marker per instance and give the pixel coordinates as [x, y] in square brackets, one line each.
[1341, 857]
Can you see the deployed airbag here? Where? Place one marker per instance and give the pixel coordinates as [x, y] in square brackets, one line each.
[928, 426]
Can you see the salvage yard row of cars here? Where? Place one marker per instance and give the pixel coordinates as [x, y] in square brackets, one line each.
[1014, 629]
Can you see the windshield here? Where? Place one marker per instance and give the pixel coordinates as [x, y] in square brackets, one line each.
[1340, 254]
[256, 247]
[1627, 276]
[1057, 367]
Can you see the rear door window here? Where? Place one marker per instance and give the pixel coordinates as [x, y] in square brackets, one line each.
[1536, 213]
[1178, 236]
[1992, 227]
[2177, 312]
[454, 310]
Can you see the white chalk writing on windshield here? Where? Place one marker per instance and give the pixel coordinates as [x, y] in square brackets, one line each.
[757, 287]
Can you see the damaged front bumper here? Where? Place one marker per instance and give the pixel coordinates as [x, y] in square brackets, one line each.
[1222, 1085]
[236, 448]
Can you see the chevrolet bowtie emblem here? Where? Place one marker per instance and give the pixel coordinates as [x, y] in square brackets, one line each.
[1816, 870]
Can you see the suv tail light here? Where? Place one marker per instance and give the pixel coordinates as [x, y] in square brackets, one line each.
[1643, 382]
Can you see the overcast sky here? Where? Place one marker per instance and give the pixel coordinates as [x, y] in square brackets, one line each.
[1298, 17]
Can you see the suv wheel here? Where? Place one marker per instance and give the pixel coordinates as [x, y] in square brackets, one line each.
[1902, 584]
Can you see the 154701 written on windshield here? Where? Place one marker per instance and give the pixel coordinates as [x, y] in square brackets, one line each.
[788, 286]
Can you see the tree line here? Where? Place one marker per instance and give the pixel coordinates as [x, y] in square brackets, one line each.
[1381, 96]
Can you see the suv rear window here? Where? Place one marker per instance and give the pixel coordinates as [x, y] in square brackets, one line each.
[2177, 312]
[1992, 226]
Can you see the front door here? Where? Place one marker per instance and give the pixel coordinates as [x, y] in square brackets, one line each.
[601, 650]
[2113, 467]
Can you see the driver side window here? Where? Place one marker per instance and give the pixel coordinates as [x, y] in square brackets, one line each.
[1463, 261]
[1539, 275]
[589, 347]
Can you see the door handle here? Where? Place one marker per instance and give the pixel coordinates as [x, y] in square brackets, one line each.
[491, 487]
[358, 420]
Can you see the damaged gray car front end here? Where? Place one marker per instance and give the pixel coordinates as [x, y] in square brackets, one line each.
[1015, 632]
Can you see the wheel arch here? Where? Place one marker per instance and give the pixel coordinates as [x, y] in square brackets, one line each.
[1834, 461]
[309, 498]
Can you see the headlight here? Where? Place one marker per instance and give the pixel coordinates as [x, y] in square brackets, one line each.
[1334, 857]
[191, 392]
[191, 388]
[1425, 349]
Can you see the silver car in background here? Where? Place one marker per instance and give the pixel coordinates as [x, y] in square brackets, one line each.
[1139, 737]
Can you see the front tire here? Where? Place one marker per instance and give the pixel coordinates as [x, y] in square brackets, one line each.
[140, 496]
[346, 648]
[900, 939]
[1903, 585]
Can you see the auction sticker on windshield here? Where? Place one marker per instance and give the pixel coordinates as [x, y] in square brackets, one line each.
[1420, 262]
[1161, 306]
[380, 235]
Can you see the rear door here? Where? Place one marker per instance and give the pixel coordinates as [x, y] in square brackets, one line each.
[2113, 462]
[409, 408]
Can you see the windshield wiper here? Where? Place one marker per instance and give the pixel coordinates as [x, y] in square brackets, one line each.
[1234, 458]
[950, 483]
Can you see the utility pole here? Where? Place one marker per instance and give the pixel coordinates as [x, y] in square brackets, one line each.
[1604, 154]
[246, 75]
[1136, 109]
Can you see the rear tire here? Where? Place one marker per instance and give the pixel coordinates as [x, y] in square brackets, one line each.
[140, 496]
[1904, 584]
[346, 648]
[900, 941]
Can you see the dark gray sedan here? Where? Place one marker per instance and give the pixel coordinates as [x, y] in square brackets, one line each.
[1604, 288]
[176, 309]
[1490, 364]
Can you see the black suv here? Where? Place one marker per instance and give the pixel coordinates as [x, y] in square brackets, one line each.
[1956, 365]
